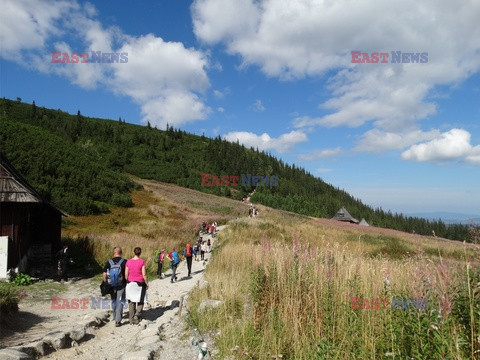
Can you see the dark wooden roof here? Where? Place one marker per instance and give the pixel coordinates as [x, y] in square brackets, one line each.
[13, 187]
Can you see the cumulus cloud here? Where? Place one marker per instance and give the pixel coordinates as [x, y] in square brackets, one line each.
[295, 39]
[321, 154]
[264, 142]
[448, 146]
[28, 24]
[166, 79]
[376, 140]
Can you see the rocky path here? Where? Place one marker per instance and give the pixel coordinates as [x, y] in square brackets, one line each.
[160, 335]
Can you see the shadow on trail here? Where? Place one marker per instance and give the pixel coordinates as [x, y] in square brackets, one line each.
[155, 313]
[15, 325]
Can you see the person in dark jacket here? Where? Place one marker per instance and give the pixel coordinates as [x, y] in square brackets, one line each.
[188, 253]
[64, 259]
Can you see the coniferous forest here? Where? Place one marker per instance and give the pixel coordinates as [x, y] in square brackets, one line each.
[81, 165]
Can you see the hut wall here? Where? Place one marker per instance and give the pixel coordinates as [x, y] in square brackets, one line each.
[28, 224]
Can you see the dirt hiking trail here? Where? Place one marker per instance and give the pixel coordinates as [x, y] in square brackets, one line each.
[161, 334]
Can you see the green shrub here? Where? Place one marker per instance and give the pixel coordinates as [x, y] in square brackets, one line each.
[22, 280]
[9, 298]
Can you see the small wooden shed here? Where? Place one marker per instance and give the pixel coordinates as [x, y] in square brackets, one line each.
[32, 225]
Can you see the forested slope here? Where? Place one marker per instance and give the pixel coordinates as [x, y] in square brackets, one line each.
[79, 164]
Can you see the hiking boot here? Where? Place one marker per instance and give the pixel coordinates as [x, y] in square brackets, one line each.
[118, 324]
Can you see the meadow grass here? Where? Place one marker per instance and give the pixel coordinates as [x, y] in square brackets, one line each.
[287, 286]
[163, 217]
[287, 280]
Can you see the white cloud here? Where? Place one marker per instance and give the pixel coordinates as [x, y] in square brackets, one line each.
[220, 94]
[174, 109]
[216, 20]
[264, 142]
[474, 156]
[294, 39]
[166, 93]
[448, 146]
[220, 109]
[258, 106]
[376, 140]
[166, 79]
[320, 154]
[28, 24]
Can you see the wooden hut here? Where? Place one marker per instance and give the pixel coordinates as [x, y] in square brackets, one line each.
[344, 215]
[30, 225]
[363, 222]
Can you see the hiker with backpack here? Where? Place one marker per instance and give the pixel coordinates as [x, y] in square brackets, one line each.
[188, 254]
[159, 260]
[114, 276]
[174, 261]
[209, 245]
[196, 247]
[137, 286]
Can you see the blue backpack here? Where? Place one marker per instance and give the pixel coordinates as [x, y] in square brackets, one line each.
[175, 258]
[115, 276]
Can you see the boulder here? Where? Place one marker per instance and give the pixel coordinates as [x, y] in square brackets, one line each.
[57, 339]
[103, 316]
[209, 304]
[35, 349]
[13, 354]
[77, 334]
[90, 320]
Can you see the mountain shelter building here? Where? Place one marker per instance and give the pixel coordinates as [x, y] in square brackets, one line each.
[344, 215]
[30, 227]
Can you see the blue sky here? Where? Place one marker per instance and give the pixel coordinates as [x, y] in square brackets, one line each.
[277, 75]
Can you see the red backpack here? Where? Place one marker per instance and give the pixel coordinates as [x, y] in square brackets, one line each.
[188, 250]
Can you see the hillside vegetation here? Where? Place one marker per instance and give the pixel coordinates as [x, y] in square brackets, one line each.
[79, 164]
[296, 288]
[287, 281]
[163, 216]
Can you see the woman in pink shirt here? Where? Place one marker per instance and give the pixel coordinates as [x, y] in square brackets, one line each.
[137, 285]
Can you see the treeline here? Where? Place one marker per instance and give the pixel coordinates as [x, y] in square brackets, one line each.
[78, 163]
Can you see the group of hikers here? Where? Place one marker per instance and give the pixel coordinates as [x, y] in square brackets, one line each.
[127, 279]
[252, 212]
[209, 229]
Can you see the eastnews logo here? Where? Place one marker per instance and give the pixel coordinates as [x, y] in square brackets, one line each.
[247, 180]
[397, 303]
[95, 303]
[397, 57]
[97, 57]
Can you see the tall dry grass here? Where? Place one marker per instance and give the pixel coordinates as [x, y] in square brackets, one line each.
[164, 216]
[287, 288]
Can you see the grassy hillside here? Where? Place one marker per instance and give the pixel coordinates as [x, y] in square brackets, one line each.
[79, 164]
[162, 216]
